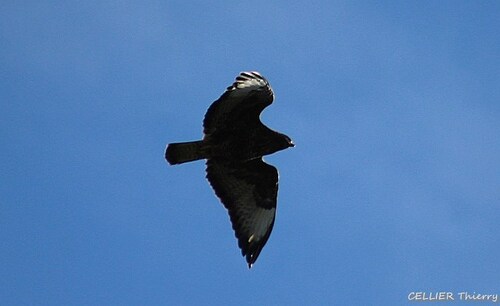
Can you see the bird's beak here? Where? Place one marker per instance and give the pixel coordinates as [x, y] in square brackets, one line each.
[292, 144]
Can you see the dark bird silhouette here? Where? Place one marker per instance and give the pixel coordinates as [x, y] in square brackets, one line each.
[233, 144]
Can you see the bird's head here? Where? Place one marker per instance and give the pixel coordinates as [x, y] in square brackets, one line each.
[289, 142]
[283, 142]
[274, 142]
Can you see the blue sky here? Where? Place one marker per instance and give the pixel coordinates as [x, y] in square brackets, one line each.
[393, 186]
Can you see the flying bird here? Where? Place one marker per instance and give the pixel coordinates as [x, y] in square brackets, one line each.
[234, 142]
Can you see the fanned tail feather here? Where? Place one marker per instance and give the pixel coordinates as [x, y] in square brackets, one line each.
[182, 152]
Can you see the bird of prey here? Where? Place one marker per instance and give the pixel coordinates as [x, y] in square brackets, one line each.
[233, 144]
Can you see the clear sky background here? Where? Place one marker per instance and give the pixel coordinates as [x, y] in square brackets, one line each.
[393, 186]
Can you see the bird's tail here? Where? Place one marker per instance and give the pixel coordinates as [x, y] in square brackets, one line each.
[182, 152]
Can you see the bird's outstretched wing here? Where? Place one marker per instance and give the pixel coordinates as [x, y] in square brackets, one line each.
[246, 97]
[248, 190]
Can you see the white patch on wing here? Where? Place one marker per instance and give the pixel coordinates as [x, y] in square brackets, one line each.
[246, 82]
[261, 221]
[255, 83]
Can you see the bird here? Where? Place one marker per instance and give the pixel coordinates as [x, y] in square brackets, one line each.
[233, 145]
